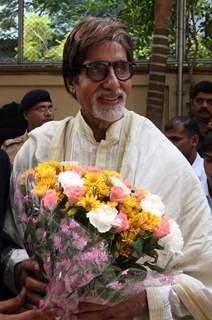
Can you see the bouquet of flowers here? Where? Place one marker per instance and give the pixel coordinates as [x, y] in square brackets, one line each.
[95, 237]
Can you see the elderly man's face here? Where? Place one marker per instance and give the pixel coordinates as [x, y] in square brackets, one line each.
[103, 101]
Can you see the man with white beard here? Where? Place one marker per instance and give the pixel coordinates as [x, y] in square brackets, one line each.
[97, 71]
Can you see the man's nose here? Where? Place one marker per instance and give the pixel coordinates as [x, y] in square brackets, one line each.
[49, 113]
[111, 81]
[204, 104]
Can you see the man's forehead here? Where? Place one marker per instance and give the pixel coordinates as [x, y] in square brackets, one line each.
[42, 103]
[178, 130]
[205, 95]
[102, 51]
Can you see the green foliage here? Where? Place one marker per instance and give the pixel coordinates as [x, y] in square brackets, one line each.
[37, 37]
[48, 22]
[199, 29]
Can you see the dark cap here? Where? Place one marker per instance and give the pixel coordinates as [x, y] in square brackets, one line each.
[32, 97]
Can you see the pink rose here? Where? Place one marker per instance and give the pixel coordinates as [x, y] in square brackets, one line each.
[117, 194]
[50, 199]
[163, 229]
[139, 195]
[78, 170]
[93, 169]
[128, 184]
[74, 194]
[122, 219]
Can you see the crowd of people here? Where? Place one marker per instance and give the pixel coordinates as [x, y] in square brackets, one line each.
[97, 72]
[189, 134]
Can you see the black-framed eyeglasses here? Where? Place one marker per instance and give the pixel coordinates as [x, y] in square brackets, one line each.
[99, 70]
[44, 109]
[200, 101]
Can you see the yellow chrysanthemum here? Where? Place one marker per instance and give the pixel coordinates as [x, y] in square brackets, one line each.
[112, 204]
[96, 184]
[149, 222]
[41, 167]
[109, 173]
[130, 206]
[89, 202]
[133, 220]
[40, 189]
[45, 177]
[125, 243]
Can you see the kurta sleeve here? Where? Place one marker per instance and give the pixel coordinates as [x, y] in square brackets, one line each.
[160, 168]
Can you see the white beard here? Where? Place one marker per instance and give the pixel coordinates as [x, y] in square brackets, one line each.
[107, 113]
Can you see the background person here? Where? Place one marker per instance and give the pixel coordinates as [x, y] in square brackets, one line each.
[36, 107]
[201, 107]
[207, 155]
[97, 70]
[12, 122]
[184, 134]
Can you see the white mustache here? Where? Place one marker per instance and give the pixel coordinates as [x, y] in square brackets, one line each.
[109, 93]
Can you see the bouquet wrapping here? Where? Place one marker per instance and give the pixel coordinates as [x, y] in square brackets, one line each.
[96, 238]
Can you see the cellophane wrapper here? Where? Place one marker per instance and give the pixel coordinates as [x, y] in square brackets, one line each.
[78, 262]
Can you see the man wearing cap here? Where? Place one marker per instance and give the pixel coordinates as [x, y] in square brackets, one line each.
[37, 108]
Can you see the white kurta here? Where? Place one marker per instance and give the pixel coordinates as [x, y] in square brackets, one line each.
[145, 157]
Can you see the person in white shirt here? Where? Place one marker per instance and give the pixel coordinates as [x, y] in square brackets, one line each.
[207, 156]
[183, 131]
[97, 70]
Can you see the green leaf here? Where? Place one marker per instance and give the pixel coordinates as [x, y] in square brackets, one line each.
[138, 247]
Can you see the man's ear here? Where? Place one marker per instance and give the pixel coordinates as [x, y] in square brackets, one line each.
[71, 86]
[25, 114]
[195, 140]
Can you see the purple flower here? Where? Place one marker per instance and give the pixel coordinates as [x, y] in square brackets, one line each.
[79, 241]
[66, 263]
[65, 229]
[115, 285]
[57, 242]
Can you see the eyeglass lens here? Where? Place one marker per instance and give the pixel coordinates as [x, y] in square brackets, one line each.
[43, 109]
[99, 70]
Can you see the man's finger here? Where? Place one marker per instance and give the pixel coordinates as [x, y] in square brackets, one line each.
[12, 305]
[89, 307]
[49, 314]
[33, 298]
[30, 265]
[35, 285]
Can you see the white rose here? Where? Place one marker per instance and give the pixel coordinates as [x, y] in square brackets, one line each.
[172, 247]
[152, 203]
[70, 179]
[116, 182]
[173, 242]
[103, 218]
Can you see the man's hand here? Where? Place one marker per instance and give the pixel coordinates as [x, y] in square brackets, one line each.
[13, 306]
[26, 275]
[126, 310]
[48, 314]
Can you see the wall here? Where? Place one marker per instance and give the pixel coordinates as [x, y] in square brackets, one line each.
[13, 85]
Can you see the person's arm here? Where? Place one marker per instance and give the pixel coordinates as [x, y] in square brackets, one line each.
[13, 231]
[135, 307]
[9, 309]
